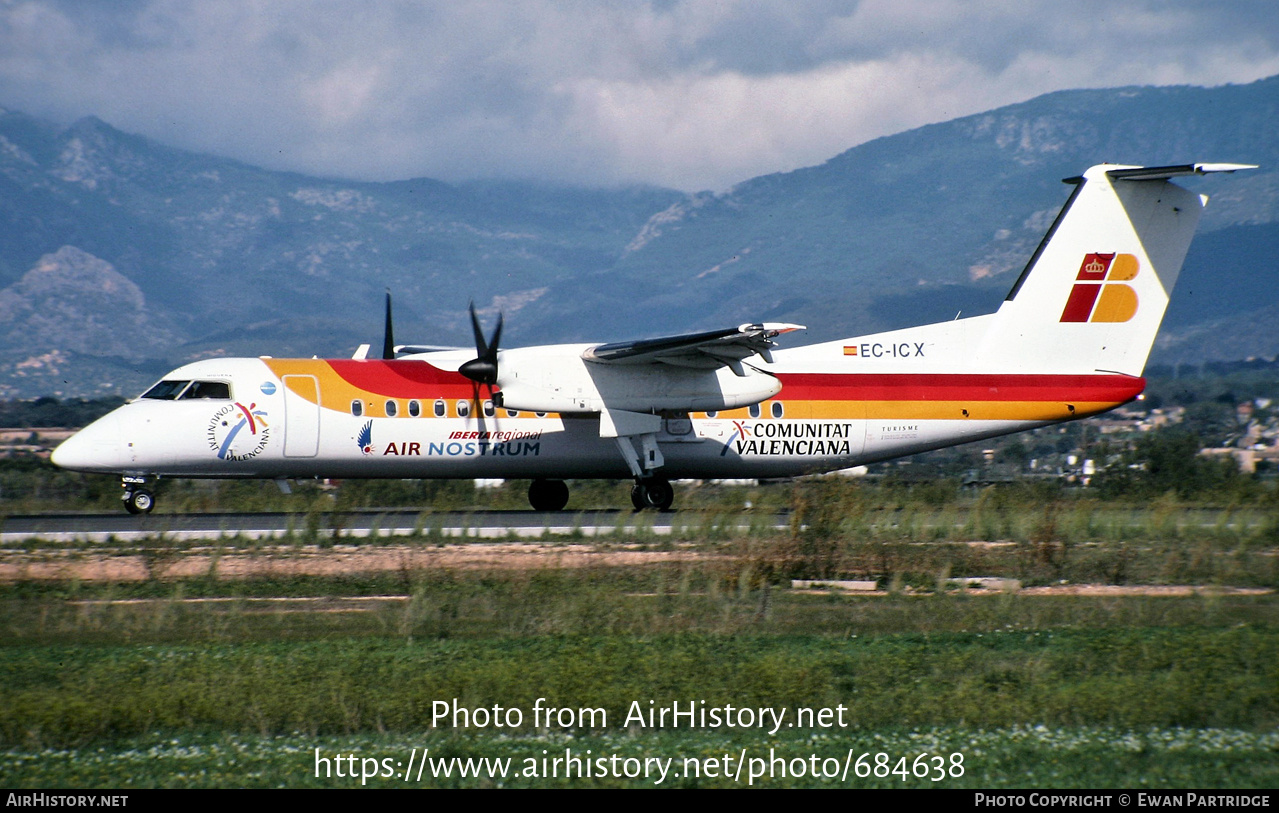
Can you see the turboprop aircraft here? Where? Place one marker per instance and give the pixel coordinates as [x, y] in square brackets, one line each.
[1069, 341]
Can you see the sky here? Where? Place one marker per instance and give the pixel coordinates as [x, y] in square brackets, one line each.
[690, 95]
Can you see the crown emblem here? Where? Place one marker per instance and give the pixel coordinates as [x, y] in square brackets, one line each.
[1101, 292]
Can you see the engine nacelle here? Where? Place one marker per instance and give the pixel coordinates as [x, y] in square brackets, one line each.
[567, 384]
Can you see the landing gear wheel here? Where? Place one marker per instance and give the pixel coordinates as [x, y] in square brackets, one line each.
[548, 495]
[652, 492]
[139, 501]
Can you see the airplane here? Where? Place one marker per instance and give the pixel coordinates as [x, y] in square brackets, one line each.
[1070, 341]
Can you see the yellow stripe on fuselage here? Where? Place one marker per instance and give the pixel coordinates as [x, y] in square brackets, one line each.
[337, 393]
[924, 410]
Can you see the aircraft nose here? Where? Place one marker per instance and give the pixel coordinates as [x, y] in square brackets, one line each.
[96, 447]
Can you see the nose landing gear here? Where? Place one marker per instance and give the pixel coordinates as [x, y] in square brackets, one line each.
[138, 499]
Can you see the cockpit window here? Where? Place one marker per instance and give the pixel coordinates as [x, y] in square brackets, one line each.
[208, 389]
[166, 390]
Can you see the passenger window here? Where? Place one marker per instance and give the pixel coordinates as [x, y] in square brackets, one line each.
[712, 414]
[488, 409]
[511, 413]
[391, 409]
[166, 390]
[208, 389]
[540, 414]
[415, 409]
[463, 408]
[440, 408]
[754, 410]
[357, 408]
[777, 409]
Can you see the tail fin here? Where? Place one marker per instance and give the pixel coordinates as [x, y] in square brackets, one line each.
[1093, 295]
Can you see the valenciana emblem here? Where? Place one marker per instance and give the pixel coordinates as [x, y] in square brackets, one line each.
[237, 432]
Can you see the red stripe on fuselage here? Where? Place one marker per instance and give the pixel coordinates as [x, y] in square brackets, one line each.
[419, 379]
[402, 378]
[958, 387]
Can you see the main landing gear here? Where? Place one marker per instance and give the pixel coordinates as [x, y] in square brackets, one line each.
[652, 492]
[548, 495]
[138, 499]
[648, 492]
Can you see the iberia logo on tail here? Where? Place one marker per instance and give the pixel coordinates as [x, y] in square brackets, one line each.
[1100, 293]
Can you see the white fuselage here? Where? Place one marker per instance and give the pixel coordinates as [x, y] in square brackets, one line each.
[410, 419]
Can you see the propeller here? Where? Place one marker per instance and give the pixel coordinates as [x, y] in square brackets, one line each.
[388, 337]
[483, 368]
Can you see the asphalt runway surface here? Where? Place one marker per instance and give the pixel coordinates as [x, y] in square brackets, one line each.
[363, 523]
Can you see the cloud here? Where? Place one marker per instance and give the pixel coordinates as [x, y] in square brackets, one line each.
[686, 94]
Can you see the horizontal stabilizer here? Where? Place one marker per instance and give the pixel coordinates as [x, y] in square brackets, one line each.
[1164, 173]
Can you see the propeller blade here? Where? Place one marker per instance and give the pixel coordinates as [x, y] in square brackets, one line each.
[481, 349]
[388, 336]
[483, 368]
[497, 335]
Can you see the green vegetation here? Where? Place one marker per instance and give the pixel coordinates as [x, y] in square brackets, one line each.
[1019, 756]
[1169, 462]
[1222, 383]
[721, 596]
[1161, 463]
[240, 686]
[1034, 691]
[1185, 676]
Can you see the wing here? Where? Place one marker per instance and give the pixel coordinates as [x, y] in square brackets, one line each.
[418, 349]
[709, 350]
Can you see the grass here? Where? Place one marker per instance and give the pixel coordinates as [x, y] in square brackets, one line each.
[961, 661]
[1036, 757]
[135, 684]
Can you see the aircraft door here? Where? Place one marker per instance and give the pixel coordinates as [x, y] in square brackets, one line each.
[301, 416]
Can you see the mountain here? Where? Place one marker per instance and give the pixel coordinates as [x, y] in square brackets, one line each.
[916, 226]
[124, 257]
[232, 259]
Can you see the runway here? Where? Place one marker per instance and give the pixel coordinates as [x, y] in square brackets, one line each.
[79, 527]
